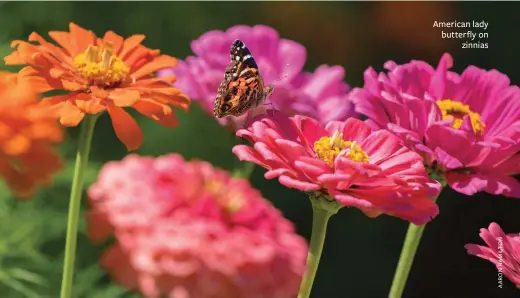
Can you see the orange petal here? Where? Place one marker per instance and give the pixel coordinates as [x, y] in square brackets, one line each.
[155, 81]
[5, 130]
[99, 92]
[72, 86]
[33, 54]
[63, 39]
[158, 112]
[158, 63]
[57, 99]
[157, 88]
[81, 38]
[138, 57]
[70, 115]
[38, 81]
[16, 145]
[89, 106]
[129, 44]
[115, 40]
[56, 72]
[15, 58]
[49, 47]
[124, 98]
[46, 131]
[126, 128]
[178, 100]
[22, 54]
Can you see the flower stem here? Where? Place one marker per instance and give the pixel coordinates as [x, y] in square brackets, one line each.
[411, 243]
[322, 210]
[244, 170]
[85, 138]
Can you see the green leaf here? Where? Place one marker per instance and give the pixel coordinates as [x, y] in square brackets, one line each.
[18, 286]
[27, 276]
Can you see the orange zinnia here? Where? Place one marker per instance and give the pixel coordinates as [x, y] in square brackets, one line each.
[101, 74]
[27, 132]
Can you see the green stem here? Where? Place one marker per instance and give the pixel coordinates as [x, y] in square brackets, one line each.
[322, 210]
[85, 138]
[411, 243]
[244, 170]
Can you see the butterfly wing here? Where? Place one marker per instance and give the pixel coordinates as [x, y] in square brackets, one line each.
[242, 87]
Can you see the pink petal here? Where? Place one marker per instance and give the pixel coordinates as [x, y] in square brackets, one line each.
[298, 184]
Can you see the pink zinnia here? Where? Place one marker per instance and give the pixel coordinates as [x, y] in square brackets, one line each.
[186, 229]
[502, 250]
[467, 127]
[322, 94]
[348, 161]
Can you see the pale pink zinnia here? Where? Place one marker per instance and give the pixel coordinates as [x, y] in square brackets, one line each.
[347, 161]
[502, 250]
[189, 230]
[467, 126]
[322, 94]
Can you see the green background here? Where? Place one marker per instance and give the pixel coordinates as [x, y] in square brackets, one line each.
[360, 253]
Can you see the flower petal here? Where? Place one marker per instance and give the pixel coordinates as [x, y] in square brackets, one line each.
[130, 44]
[125, 127]
[298, 184]
[160, 113]
[124, 98]
[158, 63]
[80, 38]
[70, 115]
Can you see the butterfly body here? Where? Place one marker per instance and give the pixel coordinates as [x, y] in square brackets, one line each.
[243, 87]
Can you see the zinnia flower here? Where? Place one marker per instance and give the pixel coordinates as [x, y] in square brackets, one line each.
[467, 127]
[345, 160]
[186, 230]
[28, 132]
[101, 74]
[502, 250]
[322, 94]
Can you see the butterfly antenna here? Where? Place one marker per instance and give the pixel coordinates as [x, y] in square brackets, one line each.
[282, 78]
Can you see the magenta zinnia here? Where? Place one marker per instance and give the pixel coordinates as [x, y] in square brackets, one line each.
[346, 161]
[467, 126]
[187, 229]
[502, 250]
[322, 94]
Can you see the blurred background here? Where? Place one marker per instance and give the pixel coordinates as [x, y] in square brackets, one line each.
[360, 254]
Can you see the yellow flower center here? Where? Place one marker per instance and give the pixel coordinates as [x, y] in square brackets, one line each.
[231, 200]
[100, 66]
[456, 110]
[328, 148]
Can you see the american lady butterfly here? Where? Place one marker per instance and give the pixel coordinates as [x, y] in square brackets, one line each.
[243, 87]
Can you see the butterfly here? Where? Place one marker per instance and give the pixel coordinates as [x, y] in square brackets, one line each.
[243, 87]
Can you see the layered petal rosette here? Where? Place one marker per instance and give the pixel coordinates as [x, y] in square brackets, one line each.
[467, 126]
[29, 133]
[502, 250]
[322, 94]
[100, 74]
[188, 230]
[348, 161]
